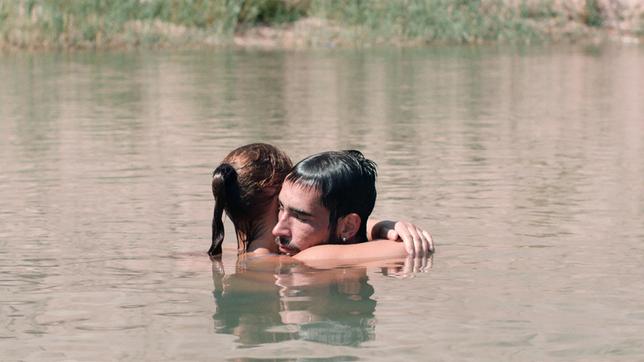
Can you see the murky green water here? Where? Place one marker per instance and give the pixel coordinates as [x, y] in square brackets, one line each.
[526, 165]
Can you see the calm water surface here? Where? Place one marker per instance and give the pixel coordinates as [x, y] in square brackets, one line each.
[526, 166]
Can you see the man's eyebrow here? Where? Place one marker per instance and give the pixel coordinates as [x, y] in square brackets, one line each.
[294, 210]
[299, 212]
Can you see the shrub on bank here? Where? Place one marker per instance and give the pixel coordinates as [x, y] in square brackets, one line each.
[83, 23]
[106, 23]
[445, 21]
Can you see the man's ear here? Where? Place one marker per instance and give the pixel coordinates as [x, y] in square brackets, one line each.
[348, 226]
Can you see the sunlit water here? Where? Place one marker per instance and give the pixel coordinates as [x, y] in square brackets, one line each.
[526, 166]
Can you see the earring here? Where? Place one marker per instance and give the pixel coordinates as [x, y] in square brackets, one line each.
[344, 239]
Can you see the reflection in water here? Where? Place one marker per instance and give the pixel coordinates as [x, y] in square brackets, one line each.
[526, 165]
[271, 299]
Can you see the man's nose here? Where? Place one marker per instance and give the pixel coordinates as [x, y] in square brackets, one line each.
[281, 228]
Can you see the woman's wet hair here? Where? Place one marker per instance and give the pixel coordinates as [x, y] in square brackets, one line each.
[346, 181]
[244, 185]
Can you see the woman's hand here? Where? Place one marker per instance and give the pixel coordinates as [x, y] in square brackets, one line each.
[417, 241]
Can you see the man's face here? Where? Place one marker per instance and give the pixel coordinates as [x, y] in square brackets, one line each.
[302, 220]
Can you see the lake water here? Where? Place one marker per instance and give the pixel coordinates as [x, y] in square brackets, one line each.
[525, 164]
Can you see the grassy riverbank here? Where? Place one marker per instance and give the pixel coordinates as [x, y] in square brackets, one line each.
[64, 24]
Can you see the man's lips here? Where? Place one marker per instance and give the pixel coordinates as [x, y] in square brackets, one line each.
[283, 246]
[286, 250]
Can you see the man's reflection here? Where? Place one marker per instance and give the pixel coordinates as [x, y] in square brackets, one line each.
[272, 299]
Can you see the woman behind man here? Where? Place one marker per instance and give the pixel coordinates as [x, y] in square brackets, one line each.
[246, 185]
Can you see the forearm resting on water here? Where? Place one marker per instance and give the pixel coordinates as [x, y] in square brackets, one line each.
[378, 249]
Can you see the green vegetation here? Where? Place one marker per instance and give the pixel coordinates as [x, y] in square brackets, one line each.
[593, 15]
[82, 23]
[445, 21]
[127, 23]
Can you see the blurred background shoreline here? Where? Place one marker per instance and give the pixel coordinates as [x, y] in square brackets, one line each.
[292, 24]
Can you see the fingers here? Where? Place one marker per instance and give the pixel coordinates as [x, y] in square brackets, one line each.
[420, 264]
[392, 235]
[416, 240]
[406, 238]
[413, 265]
[408, 267]
[411, 235]
[428, 263]
[419, 246]
[429, 240]
[425, 244]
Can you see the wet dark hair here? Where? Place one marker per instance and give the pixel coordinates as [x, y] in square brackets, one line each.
[244, 185]
[346, 181]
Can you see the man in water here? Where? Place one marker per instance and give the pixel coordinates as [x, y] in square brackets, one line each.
[327, 199]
